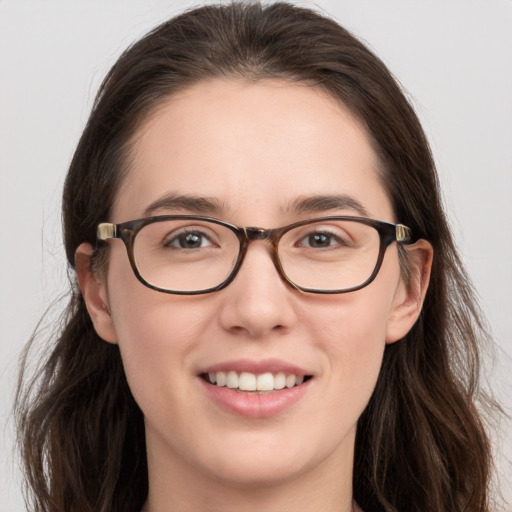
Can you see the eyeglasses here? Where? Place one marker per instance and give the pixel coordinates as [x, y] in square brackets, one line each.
[190, 254]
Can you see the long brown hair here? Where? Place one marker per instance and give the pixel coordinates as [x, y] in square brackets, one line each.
[420, 445]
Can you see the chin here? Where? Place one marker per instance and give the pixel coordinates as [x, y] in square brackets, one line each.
[264, 461]
[258, 475]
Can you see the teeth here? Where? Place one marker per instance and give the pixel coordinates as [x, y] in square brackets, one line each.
[232, 380]
[247, 381]
[220, 379]
[265, 382]
[279, 381]
[290, 381]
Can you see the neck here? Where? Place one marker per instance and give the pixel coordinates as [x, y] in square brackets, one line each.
[276, 499]
[328, 487]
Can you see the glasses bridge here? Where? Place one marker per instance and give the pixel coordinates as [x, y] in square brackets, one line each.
[257, 233]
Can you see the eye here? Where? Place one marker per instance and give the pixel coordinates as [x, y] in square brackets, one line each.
[188, 240]
[321, 240]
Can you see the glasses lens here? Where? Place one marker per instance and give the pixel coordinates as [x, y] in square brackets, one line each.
[185, 254]
[329, 255]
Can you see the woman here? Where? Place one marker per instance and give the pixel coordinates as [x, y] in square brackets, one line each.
[269, 311]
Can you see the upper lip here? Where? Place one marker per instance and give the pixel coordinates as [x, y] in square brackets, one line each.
[257, 367]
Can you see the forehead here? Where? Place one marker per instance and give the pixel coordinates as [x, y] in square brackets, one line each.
[251, 147]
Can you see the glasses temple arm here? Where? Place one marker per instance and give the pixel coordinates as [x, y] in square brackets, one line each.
[403, 233]
[106, 230]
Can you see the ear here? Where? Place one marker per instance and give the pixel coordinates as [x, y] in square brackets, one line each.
[94, 292]
[410, 295]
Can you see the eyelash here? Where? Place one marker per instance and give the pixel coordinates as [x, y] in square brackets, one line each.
[182, 235]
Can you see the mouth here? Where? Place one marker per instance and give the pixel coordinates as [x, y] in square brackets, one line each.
[257, 388]
[255, 383]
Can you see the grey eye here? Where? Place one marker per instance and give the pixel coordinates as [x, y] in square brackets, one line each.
[189, 240]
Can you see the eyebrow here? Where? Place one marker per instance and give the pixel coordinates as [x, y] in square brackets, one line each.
[324, 203]
[211, 206]
[187, 203]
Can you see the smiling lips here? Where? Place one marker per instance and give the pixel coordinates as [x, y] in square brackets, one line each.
[246, 381]
[255, 389]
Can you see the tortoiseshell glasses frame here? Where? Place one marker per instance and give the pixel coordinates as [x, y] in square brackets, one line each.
[128, 231]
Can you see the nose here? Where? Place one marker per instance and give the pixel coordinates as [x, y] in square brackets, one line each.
[258, 302]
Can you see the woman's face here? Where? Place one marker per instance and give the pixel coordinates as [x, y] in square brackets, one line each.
[255, 150]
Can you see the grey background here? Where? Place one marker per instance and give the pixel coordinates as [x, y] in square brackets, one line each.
[453, 57]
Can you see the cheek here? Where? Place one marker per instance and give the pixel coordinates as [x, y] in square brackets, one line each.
[156, 333]
[350, 332]
[353, 343]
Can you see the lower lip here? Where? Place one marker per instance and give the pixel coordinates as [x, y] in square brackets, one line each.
[254, 405]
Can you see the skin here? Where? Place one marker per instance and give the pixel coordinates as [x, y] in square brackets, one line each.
[255, 147]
